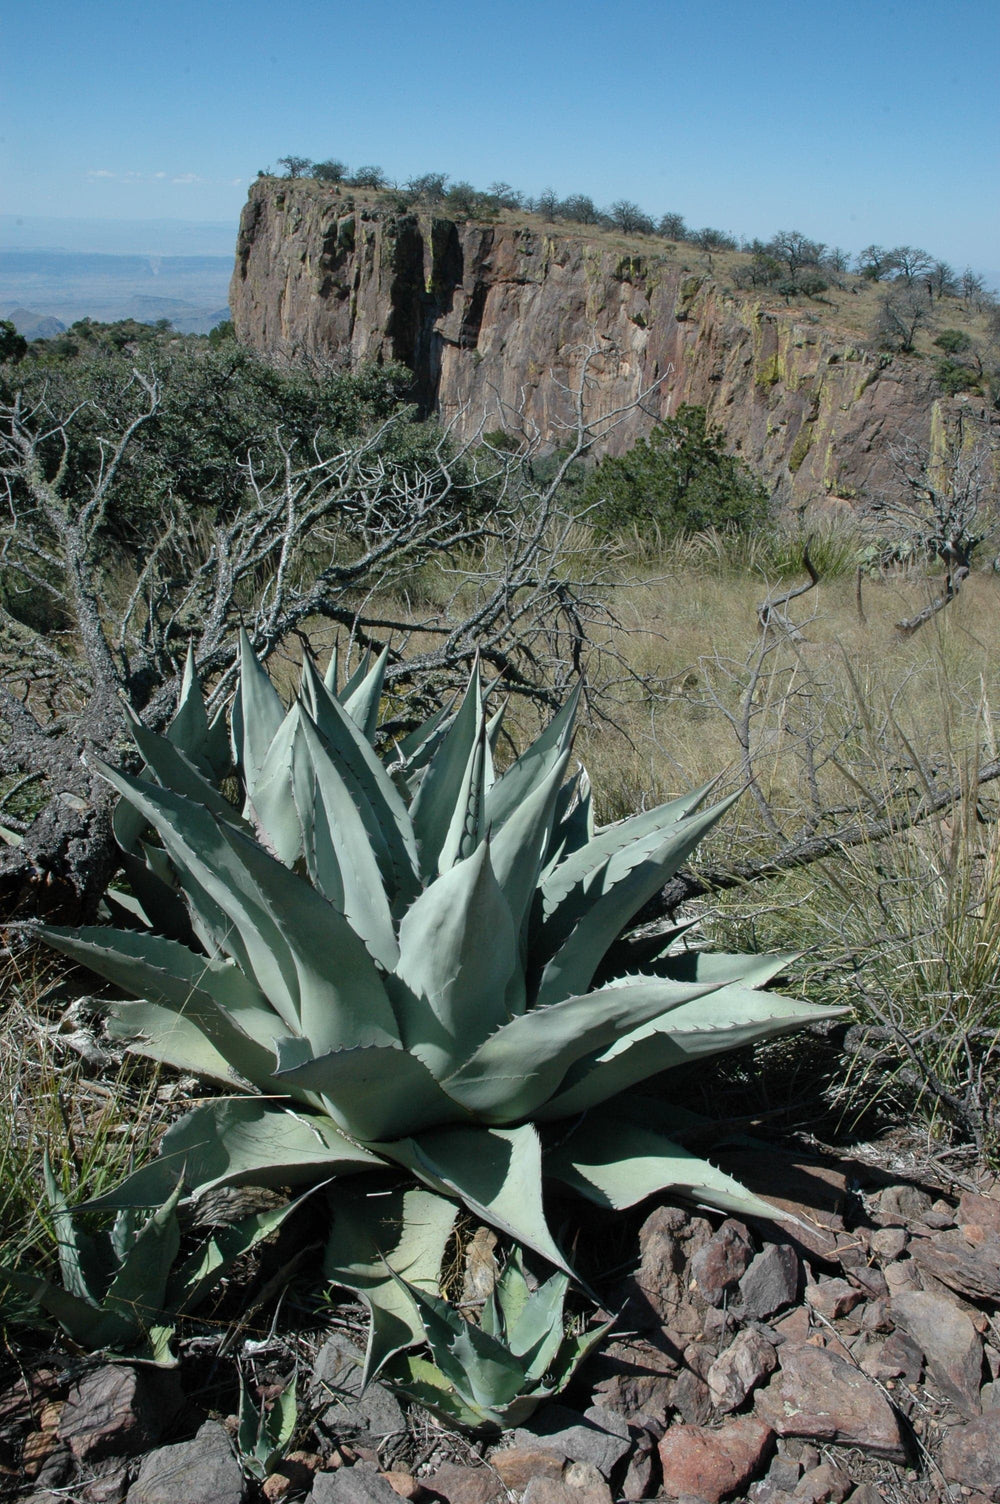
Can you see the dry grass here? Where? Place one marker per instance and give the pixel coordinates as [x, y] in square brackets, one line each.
[94, 1113]
[840, 718]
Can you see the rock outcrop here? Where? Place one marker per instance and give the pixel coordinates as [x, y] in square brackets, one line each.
[494, 320]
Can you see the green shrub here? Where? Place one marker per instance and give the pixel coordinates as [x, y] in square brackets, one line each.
[680, 479]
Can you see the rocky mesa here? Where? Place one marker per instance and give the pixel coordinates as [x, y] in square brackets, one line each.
[495, 320]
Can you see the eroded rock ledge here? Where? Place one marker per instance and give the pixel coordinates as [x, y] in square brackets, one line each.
[494, 320]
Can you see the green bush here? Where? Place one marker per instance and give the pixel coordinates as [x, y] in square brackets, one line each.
[953, 341]
[953, 376]
[680, 479]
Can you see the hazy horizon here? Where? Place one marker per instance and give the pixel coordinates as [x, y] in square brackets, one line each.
[860, 123]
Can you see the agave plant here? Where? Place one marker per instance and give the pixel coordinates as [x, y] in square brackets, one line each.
[493, 1375]
[412, 964]
[124, 1289]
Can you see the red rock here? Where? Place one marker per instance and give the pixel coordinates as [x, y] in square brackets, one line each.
[660, 1293]
[642, 1472]
[813, 1191]
[902, 1275]
[636, 1378]
[794, 1327]
[950, 1343]
[970, 1454]
[818, 1395]
[459, 1485]
[117, 1411]
[971, 1270]
[890, 1242]
[571, 1491]
[40, 1443]
[876, 1316]
[405, 1485]
[771, 1281]
[833, 1298]
[978, 1211]
[691, 1398]
[737, 1371]
[901, 1205]
[517, 1466]
[712, 1465]
[719, 1265]
[826, 1484]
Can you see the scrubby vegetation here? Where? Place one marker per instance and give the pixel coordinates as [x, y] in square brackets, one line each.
[301, 914]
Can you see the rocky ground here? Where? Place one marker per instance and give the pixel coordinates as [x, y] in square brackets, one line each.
[851, 1355]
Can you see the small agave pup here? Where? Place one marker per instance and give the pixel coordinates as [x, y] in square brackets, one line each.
[415, 965]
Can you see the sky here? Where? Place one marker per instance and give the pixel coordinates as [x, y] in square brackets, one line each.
[873, 121]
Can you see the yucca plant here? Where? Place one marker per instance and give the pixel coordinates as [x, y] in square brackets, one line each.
[413, 965]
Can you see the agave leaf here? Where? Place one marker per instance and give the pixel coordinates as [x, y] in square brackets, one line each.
[379, 802]
[332, 674]
[518, 849]
[342, 999]
[262, 1436]
[466, 828]
[613, 895]
[573, 876]
[79, 1262]
[189, 730]
[233, 1017]
[339, 854]
[484, 1373]
[495, 1172]
[437, 804]
[84, 1323]
[139, 1287]
[303, 955]
[405, 1232]
[362, 702]
[617, 1163]
[533, 1321]
[282, 788]
[373, 1092]
[457, 955]
[256, 715]
[415, 750]
[574, 822]
[239, 1141]
[727, 1019]
[523, 1063]
[630, 953]
[722, 968]
[191, 1282]
[156, 889]
[420, 1381]
[185, 756]
[356, 679]
[493, 728]
[534, 764]
[167, 1036]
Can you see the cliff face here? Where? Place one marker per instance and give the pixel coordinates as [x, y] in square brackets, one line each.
[495, 320]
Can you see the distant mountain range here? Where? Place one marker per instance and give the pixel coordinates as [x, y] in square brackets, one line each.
[42, 285]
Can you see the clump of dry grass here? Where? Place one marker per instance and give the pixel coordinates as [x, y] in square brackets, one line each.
[826, 727]
[94, 1112]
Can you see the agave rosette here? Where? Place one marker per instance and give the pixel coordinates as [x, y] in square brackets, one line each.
[410, 964]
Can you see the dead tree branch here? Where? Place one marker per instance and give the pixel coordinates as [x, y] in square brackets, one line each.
[90, 626]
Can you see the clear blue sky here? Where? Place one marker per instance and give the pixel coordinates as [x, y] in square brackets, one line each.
[875, 120]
